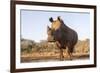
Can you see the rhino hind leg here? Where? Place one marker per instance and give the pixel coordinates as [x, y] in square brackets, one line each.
[61, 55]
[70, 51]
[70, 56]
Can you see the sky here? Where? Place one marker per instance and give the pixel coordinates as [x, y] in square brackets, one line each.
[34, 23]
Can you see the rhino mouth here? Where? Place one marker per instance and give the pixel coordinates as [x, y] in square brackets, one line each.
[51, 40]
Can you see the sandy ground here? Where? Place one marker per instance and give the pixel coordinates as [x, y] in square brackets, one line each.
[50, 56]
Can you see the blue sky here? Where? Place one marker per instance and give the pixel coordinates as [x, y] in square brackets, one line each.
[34, 23]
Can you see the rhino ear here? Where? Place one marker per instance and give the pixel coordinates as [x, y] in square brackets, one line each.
[51, 19]
[59, 18]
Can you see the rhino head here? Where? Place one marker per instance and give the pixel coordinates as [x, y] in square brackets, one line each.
[51, 32]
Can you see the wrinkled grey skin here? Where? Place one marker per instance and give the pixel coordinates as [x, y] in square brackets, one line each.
[64, 36]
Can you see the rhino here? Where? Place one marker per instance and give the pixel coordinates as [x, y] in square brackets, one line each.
[62, 35]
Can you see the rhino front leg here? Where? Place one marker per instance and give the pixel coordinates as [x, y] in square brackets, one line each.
[61, 55]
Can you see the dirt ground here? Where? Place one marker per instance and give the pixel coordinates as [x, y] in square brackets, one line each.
[50, 56]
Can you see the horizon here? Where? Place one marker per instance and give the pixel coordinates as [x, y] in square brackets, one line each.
[46, 40]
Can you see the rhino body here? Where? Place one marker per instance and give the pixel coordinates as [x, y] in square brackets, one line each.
[62, 35]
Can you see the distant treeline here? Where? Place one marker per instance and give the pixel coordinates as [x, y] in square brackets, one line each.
[29, 46]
